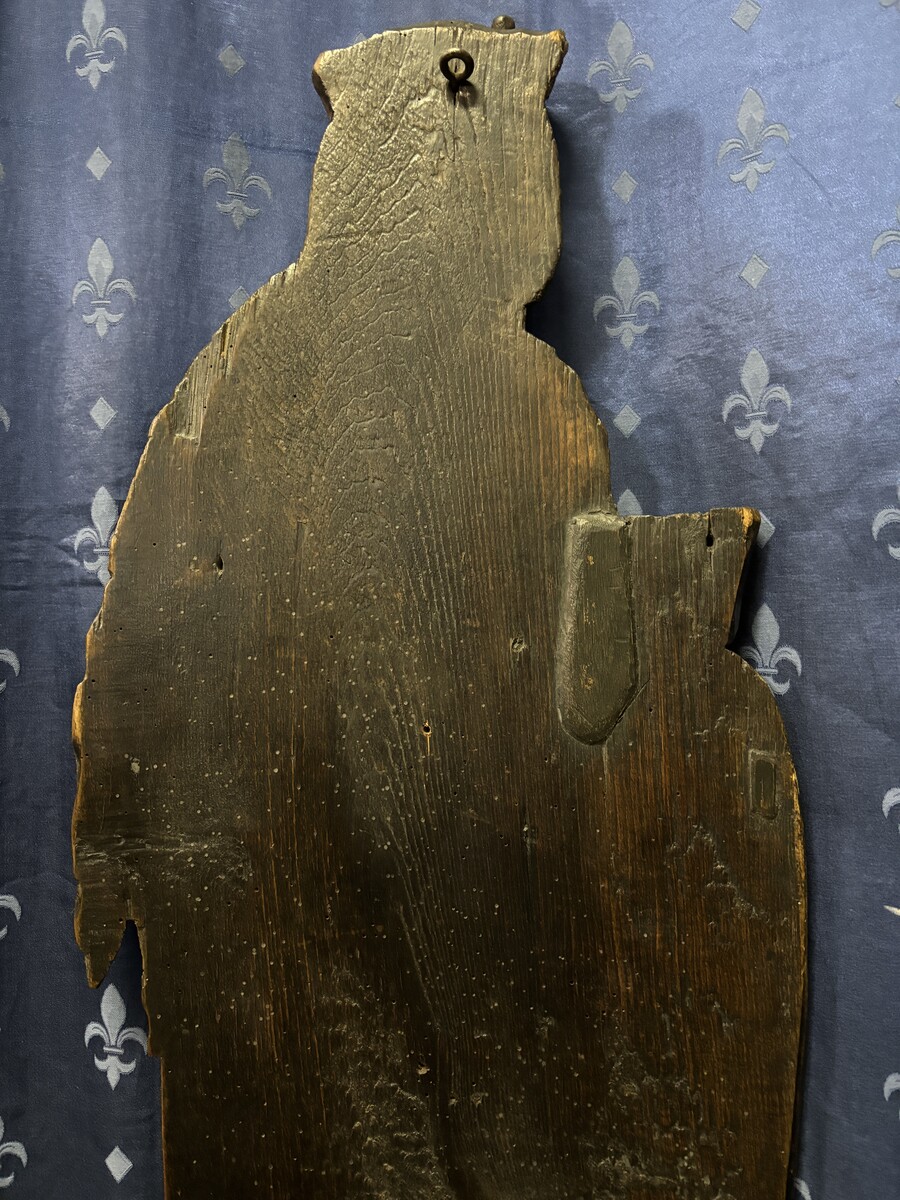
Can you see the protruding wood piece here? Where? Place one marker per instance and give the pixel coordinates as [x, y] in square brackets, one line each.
[596, 658]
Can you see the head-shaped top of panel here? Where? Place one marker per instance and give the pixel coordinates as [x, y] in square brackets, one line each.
[440, 144]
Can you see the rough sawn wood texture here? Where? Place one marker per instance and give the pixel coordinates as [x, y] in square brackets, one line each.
[465, 857]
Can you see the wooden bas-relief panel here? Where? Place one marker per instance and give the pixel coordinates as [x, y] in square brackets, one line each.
[465, 857]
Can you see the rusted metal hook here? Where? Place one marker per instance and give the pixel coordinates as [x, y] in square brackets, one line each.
[456, 66]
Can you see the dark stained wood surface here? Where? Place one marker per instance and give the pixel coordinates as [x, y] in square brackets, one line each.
[465, 857]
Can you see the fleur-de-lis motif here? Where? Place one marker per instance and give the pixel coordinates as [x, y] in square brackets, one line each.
[802, 1190]
[751, 118]
[97, 35]
[755, 400]
[101, 287]
[115, 1035]
[891, 1085]
[234, 173]
[620, 62]
[628, 299]
[765, 655]
[4, 418]
[11, 903]
[10, 1150]
[887, 516]
[884, 239]
[890, 802]
[104, 513]
[8, 657]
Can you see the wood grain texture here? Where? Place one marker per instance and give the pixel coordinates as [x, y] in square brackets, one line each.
[465, 858]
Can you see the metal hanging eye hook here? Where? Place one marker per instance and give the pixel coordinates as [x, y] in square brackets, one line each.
[456, 66]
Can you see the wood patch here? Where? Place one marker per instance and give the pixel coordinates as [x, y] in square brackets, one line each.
[465, 858]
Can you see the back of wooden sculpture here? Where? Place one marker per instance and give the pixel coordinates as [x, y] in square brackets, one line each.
[404, 934]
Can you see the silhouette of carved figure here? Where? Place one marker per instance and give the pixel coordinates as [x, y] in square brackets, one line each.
[464, 856]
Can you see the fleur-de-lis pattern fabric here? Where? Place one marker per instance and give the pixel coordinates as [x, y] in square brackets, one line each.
[766, 654]
[626, 303]
[113, 1035]
[884, 518]
[729, 291]
[10, 1150]
[101, 287]
[91, 544]
[755, 422]
[884, 239]
[236, 176]
[754, 132]
[618, 68]
[95, 43]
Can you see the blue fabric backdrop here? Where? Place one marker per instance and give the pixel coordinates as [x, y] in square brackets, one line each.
[729, 292]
